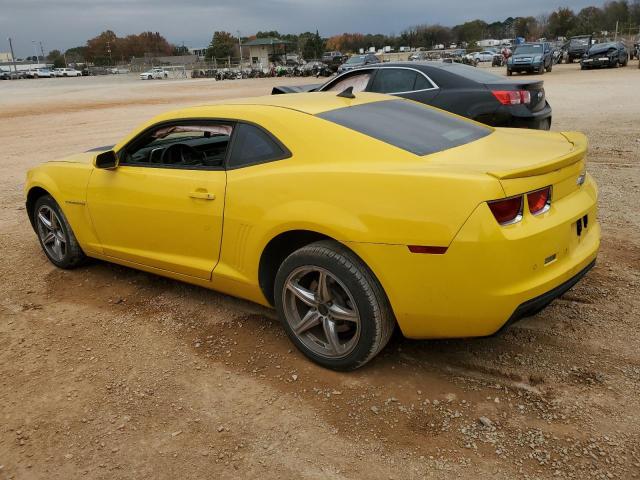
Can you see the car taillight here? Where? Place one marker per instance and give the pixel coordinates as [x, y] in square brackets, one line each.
[539, 201]
[507, 211]
[512, 97]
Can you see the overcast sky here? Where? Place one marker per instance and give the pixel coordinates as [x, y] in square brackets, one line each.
[63, 24]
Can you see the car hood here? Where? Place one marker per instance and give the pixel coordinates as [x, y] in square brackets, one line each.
[599, 49]
[521, 56]
[85, 157]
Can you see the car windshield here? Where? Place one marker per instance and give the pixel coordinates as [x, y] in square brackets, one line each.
[529, 49]
[603, 46]
[411, 126]
[578, 42]
[358, 59]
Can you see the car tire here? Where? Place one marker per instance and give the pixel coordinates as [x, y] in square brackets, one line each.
[509, 73]
[541, 69]
[332, 307]
[55, 234]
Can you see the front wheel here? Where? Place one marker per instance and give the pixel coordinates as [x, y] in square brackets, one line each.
[332, 307]
[54, 232]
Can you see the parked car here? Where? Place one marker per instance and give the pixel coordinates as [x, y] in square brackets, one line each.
[635, 51]
[471, 92]
[358, 61]
[12, 75]
[253, 199]
[418, 56]
[66, 72]
[333, 60]
[577, 46]
[484, 56]
[154, 74]
[40, 73]
[531, 57]
[610, 54]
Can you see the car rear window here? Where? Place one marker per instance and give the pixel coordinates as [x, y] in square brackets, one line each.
[408, 125]
[472, 73]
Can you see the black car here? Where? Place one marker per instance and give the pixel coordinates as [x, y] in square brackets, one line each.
[610, 54]
[357, 61]
[471, 92]
[531, 57]
[577, 46]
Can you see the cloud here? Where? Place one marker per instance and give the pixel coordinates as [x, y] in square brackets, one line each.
[63, 24]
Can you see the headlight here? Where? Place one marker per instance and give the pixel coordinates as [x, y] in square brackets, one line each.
[537, 58]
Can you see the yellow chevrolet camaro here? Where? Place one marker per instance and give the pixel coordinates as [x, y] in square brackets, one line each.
[349, 214]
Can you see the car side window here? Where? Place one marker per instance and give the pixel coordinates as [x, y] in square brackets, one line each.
[252, 145]
[180, 145]
[358, 81]
[422, 83]
[394, 80]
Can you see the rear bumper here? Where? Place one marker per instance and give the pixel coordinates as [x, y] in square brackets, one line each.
[489, 274]
[533, 306]
[519, 116]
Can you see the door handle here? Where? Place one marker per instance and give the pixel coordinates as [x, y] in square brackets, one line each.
[202, 195]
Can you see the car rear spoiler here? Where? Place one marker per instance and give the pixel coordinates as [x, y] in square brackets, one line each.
[295, 88]
[577, 153]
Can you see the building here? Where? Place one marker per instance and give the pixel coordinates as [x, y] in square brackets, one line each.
[263, 51]
[6, 57]
[201, 53]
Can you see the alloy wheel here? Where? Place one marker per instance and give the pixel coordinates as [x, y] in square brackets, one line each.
[51, 233]
[321, 312]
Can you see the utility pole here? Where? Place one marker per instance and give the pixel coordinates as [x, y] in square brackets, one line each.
[240, 44]
[35, 50]
[13, 57]
[616, 36]
[109, 52]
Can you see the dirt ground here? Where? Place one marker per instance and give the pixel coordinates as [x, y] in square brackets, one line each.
[111, 373]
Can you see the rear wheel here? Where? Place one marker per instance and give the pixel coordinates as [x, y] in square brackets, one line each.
[332, 307]
[56, 237]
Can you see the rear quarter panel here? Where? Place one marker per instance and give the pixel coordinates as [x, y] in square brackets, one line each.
[345, 185]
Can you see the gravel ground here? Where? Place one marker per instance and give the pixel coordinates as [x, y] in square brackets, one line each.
[106, 372]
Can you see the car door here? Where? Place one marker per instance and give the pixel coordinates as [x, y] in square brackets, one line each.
[404, 82]
[163, 205]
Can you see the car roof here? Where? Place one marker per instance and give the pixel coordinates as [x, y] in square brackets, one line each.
[311, 103]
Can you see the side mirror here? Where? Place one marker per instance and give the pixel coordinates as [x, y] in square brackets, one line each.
[107, 160]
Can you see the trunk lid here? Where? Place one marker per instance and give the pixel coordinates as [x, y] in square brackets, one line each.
[524, 160]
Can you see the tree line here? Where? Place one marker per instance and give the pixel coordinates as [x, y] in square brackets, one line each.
[109, 49]
[561, 22]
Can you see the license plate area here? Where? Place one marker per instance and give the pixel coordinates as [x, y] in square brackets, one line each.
[581, 225]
